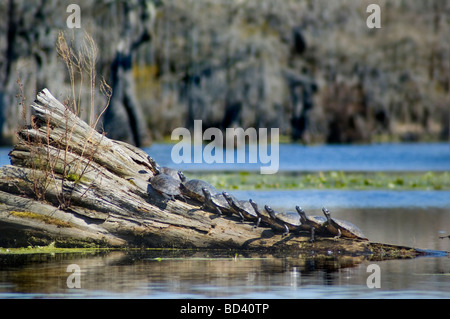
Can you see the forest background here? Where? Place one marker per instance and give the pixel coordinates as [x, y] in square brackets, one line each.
[313, 69]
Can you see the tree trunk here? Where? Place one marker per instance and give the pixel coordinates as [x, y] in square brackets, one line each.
[124, 119]
[71, 185]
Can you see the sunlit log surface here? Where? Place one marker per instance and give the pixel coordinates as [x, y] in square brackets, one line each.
[69, 185]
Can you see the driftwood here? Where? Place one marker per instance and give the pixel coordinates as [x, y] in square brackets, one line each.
[71, 185]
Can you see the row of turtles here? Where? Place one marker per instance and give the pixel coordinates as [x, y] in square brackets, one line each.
[173, 184]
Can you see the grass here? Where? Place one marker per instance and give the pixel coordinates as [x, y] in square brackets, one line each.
[328, 180]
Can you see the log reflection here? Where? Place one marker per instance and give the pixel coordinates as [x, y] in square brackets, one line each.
[150, 272]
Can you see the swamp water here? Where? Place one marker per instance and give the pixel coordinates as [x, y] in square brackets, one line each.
[175, 274]
[411, 218]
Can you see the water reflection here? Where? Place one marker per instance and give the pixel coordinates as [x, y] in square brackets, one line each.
[175, 271]
[175, 274]
[418, 228]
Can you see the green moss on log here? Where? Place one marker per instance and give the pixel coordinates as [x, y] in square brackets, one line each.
[46, 219]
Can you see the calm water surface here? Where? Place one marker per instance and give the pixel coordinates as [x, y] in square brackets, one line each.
[296, 157]
[412, 218]
[167, 274]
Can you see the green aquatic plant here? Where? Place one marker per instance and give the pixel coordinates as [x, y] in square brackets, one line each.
[328, 180]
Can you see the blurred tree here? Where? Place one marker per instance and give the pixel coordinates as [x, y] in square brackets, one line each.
[311, 68]
[124, 119]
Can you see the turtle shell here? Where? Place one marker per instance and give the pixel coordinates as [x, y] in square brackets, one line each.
[288, 221]
[242, 208]
[157, 170]
[217, 203]
[310, 221]
[220, 201]
[313, 224]
[165, 184]
[316, 221]
[346, 228]
[291, 219]
[247, 209]
[193, 189]
[263, 216]
[171, 172]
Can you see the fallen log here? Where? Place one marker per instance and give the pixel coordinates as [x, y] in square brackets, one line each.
[70, 185]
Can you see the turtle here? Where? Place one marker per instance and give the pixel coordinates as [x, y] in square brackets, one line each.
[242, 208]
[181, 177]
[342, 228]
[312, 223]
[193, 189]
[217, 202]
[264, 217]
[290, 221]
[167, 186]
[178, 175]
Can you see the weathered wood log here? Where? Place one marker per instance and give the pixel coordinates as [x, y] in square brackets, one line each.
[71, 185]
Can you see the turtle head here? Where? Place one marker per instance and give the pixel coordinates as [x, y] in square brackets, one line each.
[227, 197]
[152, 161]
[155, 165]
[157, 170]
[301, 212]
[268, 208]
[255, 206]
[270, 211]
[181, 176]
[206, 193]
[326, 213]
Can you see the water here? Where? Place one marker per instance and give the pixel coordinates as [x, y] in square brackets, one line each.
[168, 274]
[295, 157]
[317, 198]
[411, 218]
[4, 158]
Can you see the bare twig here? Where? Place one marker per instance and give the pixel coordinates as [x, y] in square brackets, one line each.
[37, 137]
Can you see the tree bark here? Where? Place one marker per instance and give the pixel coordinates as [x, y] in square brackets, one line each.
[94, 191]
